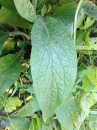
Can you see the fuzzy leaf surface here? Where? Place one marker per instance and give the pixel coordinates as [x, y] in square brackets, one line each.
[53, 63]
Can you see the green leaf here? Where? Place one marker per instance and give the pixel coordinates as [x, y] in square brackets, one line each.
[66, 11]
[64, 113]
[80, 17]
[12, 103]
[53, 63]
[9, 4]
[66, 14]
[30, 89]
[8, 46]
[78, 118]
[29, 109]
[25, 9]
[41, 4]
[87, 85]
[13, 19]
[93, 121]
[3, 37]
[36, 124]
[92, 75]
[90, 9]
[2, 100]
[89, 22]
[93, 125]
[85, 103]
[34, 2]
[16, 123]
[10, 69]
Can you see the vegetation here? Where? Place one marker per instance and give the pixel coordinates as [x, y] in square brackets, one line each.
[48, 65]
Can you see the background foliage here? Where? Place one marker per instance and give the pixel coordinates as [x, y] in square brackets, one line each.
[48, 59]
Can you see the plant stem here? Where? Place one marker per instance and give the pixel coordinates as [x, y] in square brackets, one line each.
[19, 33]
[85, 48]
[75, 19]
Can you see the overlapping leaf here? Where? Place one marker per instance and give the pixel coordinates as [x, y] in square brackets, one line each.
[25, 9]
[9, 4]
[16, 123]
[64, 113]
[90, 8]
[10, 69]
[53, 63]
[28, 109]
[12, 18]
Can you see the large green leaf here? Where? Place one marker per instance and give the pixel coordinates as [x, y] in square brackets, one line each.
[64, 113]
[3, 37]
[13, 19]
[10, 69]
[9, 4]
[90, 9]
[25, 9]
[53, 63]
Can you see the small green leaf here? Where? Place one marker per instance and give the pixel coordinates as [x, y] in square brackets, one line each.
[87, 85]
[66, 11]
[64, 113]
[93, 121]
[80, 17]
[35, 124]
[85, 103]
[66, 14]
[12, 103]
[10, 69]
[89, 22]
[34, 2]
[41, 4]
[3, 37]
[90, 8]
[8, 46]
[13, 19]
[30, 89]
[9, 4]
[78, 118]
[16, 123]
[29, 109]
[21, 44]
[25, 9]
[53, 63]
[92, 75]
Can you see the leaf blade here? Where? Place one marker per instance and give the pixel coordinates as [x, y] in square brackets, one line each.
[9, 65]
[27, 11]
[52, 63]
[90, 8]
